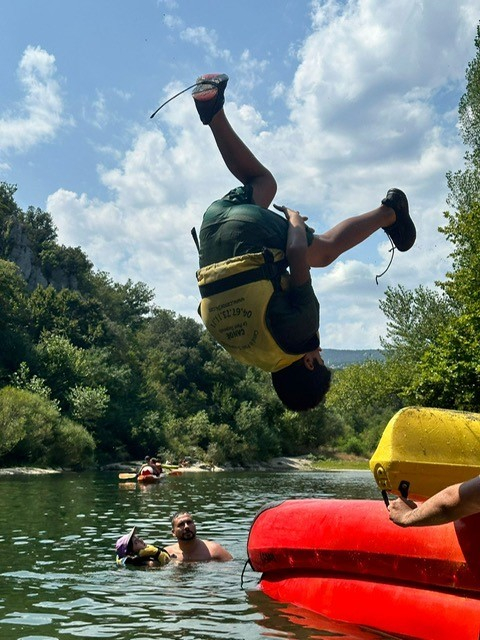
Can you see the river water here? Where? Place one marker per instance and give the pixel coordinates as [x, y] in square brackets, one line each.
[58, 578]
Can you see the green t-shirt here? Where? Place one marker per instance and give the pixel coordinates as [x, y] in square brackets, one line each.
[235, 226]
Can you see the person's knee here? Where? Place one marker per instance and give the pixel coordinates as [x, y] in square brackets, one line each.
[320, 253]
[264, 189]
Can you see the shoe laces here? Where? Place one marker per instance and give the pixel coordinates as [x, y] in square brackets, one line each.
[180, 93]
[392, 251]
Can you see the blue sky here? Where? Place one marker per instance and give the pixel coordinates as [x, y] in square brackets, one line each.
[341, 100]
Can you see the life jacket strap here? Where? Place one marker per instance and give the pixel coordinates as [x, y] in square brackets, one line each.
[195, 238]
[268, 271]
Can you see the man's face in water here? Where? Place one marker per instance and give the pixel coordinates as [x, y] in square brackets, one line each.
[184, 527]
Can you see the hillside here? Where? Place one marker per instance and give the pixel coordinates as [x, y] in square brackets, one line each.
[339, 358]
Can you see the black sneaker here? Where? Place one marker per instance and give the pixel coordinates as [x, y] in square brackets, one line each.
[402, 232]
[208, 95]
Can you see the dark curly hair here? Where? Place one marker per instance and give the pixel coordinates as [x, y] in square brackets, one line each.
[299, 388]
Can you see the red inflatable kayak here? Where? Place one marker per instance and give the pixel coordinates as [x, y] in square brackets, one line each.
[149, 478]
[345, 560]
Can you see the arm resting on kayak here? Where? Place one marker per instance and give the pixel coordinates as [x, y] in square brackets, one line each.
[452, 503]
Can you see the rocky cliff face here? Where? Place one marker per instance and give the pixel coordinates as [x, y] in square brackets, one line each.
[18, 249]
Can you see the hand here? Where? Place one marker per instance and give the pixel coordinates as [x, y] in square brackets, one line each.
[400, 509]
[289, 213]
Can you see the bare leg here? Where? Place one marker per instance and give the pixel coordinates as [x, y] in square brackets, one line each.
[326, 247]
[246, 167]
[241, 161]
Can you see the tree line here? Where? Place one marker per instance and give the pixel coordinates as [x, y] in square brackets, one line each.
[96, 372]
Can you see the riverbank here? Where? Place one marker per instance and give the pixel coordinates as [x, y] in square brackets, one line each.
[331, 462]
[338, 462]
[30, 471]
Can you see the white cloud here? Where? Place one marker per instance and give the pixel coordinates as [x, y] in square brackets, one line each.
[172, 22]
[278, 90]
[124, 95]
[207, 39]
[144, 230]
[100, 111]
[170, 4]
[41, 113]
[363, 105]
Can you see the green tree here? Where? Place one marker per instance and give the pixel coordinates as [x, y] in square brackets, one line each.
[449, 375]
[32, 431]
[23, 379]
[71, 261]
[414, 319]
[177, 362]
[188, 436]
[148, 434]
[14, 340]
[73, 447]
[462, 283]
[261, 437]
[127, 304]
[464, 185]
[40, 227]
[62, 365]
[9, 215]
[27, 424]
[225, 446]
[363, 397]
[88, 404]
[12, 420]
[69, 313]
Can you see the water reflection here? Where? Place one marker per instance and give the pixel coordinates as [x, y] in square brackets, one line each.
[288, 621]
[57, 573]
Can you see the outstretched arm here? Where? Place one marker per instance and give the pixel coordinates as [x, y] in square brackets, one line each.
[454, 502]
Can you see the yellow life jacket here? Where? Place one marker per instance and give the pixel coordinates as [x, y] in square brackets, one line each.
[235, 296]
[145, 556]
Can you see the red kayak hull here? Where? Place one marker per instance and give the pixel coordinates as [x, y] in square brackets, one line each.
[396, 609]
[356, 536]
[148, 479]
[344, 559]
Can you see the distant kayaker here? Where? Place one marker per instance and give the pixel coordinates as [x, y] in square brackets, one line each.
[149, 468]
[156, 466]
[145, 465]
[132, 550]
[452, 503]
[189, 548]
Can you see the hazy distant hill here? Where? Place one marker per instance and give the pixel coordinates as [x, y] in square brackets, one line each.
[338, 358]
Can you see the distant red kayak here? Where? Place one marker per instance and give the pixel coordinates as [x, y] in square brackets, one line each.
[344, 559]
[149, 478]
